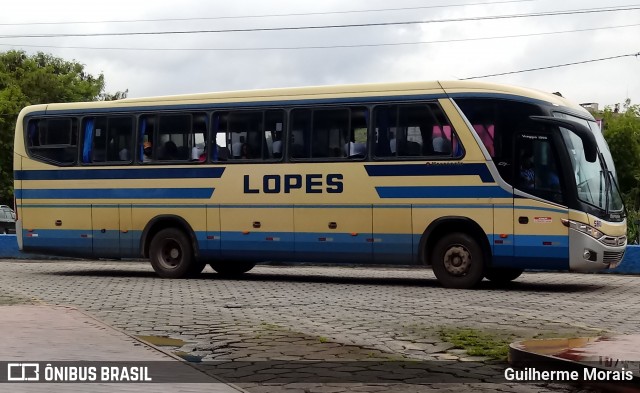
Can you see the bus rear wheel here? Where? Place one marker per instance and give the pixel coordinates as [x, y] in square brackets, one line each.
[171, 254]
[232, 269]
[458, 261]
[502, 276]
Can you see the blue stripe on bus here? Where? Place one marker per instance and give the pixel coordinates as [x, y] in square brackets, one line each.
[546, 209]
[442, 192]
[452, 169]
[325, 206]
[100, 174]
[530, 251]
[122, 193]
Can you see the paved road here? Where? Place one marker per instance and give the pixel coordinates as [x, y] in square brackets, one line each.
[286, 315]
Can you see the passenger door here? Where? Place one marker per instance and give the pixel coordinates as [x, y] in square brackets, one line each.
[541, 240]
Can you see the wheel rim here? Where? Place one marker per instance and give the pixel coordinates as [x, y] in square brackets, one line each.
[457, 260]
[170, 254]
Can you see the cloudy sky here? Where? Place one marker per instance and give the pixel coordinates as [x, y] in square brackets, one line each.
[165, 64]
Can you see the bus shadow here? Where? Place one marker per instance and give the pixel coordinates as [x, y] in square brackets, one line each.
[97, 272]
[420, 282]
[327, 279]
[518, 286]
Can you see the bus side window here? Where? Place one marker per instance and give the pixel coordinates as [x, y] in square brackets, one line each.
[174, 136]
[146, 149]
[414, 130]
[247, 135]
[107, 139]
[53, 140]
[219, 150]
[300, 147]
[357, 148]
[329, 133]
[273, 132]
[496, 122]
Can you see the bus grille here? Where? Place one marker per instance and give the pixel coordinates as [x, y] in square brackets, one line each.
[613, 256]
[614, 241]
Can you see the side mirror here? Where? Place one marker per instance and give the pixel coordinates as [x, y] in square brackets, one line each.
[585, 134]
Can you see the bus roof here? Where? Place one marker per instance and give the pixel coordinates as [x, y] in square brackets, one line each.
[328, 92]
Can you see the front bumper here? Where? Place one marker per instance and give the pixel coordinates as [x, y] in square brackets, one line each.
[600, 256]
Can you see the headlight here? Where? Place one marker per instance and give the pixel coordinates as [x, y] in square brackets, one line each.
[584, 228]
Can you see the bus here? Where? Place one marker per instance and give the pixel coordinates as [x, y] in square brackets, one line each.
[475, 180]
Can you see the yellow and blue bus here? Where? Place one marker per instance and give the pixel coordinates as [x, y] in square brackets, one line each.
[477, 180]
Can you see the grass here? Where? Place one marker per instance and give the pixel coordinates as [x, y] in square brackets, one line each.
[477, 342]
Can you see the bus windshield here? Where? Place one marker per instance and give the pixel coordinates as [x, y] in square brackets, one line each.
[596, 181]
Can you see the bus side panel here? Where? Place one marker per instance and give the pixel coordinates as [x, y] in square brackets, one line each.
[211, 248]
[256, 233]
[57, 229]
[193, 215]
[17, 186]
[541, 240]
[127, 248]
[105, 223]
[392, 238]
[423, 215]
[336, 234]
[502, 240]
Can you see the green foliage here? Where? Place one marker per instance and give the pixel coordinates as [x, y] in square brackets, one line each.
[622, 132]
[37, 79]
[477, 342]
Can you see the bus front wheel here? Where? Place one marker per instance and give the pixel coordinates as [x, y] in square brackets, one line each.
[231, 269]
[458, 261]
[171, 254]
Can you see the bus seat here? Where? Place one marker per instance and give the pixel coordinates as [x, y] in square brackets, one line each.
[183, 153]
[98, 155]
[441, 145]
[223, 153]
[413, 149]
[297, 151]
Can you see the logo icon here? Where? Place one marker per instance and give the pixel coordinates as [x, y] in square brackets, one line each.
[23, 372]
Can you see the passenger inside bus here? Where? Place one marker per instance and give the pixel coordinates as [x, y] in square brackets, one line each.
[245, 151]
[170, 151]
[146, 152]
[527, 173]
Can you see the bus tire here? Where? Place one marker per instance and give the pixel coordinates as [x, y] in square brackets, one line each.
[232, 269]
[502, 276]
[171, 254]
[458, 261]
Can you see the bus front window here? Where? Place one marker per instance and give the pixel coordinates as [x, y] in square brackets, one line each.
[596, 184]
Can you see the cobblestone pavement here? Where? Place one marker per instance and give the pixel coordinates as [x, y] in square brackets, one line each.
[328, 315]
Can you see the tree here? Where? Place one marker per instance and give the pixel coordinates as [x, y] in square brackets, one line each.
[37, 79]
[622, 132]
